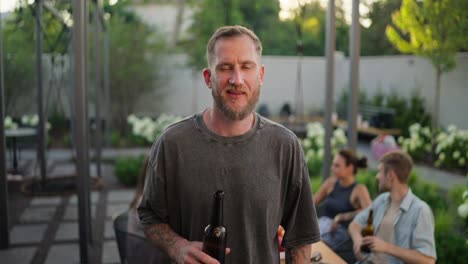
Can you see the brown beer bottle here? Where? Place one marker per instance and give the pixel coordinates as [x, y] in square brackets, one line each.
[214, 240]
[368, 230]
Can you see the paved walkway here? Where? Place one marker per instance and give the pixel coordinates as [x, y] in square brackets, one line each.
[44, 230]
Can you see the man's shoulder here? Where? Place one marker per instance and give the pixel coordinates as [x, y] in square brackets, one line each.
[181, 127]
[276, 129]
[421, 205]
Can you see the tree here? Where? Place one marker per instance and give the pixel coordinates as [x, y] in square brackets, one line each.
[134, 61]
[309, 19]
[205, 21]
[372, 40]
[435, 29]
[19, 48]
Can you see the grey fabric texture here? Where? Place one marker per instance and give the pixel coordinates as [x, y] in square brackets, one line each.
[262, 172]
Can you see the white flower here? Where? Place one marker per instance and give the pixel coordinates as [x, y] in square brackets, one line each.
[427, 147]
[465, 196]
[34, 120]
[456, 154]
[461, 162]
[414, 128]
[426, 131]
[442, 156]
[320, 153]
[452, 128]
[463, 210]
[9, 124]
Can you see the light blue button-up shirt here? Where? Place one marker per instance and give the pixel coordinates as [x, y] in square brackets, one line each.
[413, 227]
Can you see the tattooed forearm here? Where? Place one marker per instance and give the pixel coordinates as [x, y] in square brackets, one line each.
[298, 255]
[162, 236]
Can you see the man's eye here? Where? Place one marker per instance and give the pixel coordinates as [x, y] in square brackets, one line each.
[247, 66]
[224, 68]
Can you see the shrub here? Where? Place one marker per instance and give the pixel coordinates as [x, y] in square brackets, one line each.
[367, 177]
[128, 169]
[313, 145]
[452, 148]
[145, 130]
[418, 144]
[450, 244]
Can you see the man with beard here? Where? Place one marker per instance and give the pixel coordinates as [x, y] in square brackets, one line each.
[258, 164]
[403, 223]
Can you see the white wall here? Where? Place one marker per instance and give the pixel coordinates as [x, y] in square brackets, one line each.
[401, 74]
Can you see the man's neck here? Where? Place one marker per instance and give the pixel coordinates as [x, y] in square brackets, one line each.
[217, 122]
[398, 192]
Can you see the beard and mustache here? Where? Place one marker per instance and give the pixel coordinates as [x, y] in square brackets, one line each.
[231, 113]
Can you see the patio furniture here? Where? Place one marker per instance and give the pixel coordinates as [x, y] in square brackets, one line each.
[135, 248]
[14, 135]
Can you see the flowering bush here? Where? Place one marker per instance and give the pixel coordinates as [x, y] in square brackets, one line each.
[418, 145]
[148, 129]
[9, 123]
[452, 148]
[463, 208]
[32, 121]
[313, 145]
[26, 120]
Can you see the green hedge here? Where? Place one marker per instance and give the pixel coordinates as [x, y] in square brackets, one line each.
[128, 169]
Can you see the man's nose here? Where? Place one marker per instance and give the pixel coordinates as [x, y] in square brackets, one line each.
[237, 78]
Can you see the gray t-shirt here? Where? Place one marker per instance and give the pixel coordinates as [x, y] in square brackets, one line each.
[262, 172]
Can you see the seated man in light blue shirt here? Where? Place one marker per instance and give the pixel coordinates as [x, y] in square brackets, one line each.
[403, 223]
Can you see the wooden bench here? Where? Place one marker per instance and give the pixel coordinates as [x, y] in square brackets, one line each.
[376, 116]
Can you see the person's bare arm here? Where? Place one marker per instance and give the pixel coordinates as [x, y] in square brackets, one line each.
[299, 255]
[361, 198]
[178, 248]
[406, 255]
[354, 231]
[323, 191]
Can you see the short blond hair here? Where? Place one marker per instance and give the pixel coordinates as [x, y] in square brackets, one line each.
[229, 32]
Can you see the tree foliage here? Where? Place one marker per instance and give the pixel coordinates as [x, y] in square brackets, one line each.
[134, 61]
[19, 49]
[278, 37]
[373, 40]
[435, 29]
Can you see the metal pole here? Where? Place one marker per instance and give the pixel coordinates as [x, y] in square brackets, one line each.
[353, 102]
[329, 85]
[40, 95]
[4, 233]
[80, 12]
[106, 88]
[97, 86]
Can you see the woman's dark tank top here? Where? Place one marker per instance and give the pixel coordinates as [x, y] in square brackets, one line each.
[338, 200]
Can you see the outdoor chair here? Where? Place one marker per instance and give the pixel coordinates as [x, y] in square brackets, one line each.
[134, 248]
[120, 229]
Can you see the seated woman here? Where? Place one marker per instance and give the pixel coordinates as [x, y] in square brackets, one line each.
[341, 198]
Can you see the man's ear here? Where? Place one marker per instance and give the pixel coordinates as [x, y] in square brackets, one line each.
[207, 77]
[262, 74]
[391, 175]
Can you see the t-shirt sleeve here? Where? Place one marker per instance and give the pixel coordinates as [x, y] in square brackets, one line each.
[361, 217]
[423, 234]
[153, 205]
[299, 217]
